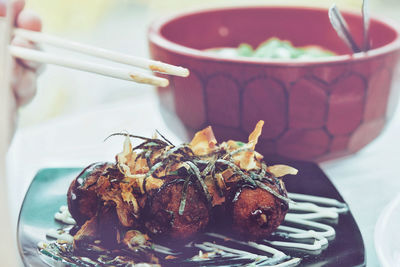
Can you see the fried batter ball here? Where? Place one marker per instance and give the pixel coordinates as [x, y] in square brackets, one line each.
[176, 191]
[102, 229]
[82, 198]
[256, 213]
[162, 212]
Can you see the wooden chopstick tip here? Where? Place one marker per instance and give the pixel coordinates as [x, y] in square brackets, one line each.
[164, 83]
[157, 81]
[169, 69]
[185, 72]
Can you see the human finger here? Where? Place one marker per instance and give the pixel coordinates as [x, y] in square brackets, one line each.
[2, 8]
[19, 41]
[29, 20]
[24, 88]
[17, 6]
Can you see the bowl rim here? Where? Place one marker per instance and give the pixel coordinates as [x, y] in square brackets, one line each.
[155, 37]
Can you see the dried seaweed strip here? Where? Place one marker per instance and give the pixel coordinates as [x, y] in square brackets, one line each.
[217, 152]
[237, 170]
[263, 171]
[182, 204]
[199, 161]
[258, 176]
[158, 141]
[219, 189]
[188, 151]
[144, 184]
[149, 145]
[172, 151]
[279, 184]
[165, 139]
[203, 185]
[208, 168]
[267, 188]
[140, 155]
[113, 172]
[153, 169]
[148, 155]
[239, 150]
[268, 180]
[126, 134]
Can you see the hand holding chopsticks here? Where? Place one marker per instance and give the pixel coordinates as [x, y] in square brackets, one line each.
[115, 72]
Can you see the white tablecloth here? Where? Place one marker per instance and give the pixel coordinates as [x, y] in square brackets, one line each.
[367, 180]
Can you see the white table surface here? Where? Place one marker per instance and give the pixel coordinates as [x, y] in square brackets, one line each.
[367, 180]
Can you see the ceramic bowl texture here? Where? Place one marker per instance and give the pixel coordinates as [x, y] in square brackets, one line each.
[313, 110]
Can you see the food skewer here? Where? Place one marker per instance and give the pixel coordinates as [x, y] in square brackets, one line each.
[115, 72]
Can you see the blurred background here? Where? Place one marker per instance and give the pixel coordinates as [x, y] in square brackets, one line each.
[121, 25]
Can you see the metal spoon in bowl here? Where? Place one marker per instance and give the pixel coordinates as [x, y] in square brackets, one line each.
[341, 28]
[366, 22]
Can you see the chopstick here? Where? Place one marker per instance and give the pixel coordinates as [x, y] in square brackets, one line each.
[115, 72]
[341, 28]
[153, 65]
[366, 24]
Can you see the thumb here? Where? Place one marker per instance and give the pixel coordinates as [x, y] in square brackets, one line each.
[17, 7]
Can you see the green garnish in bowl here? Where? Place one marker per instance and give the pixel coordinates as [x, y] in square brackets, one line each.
[274, 48]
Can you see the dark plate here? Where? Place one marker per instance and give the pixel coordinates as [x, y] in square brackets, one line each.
[49, 187]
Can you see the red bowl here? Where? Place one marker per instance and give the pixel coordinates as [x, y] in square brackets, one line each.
[313, 110]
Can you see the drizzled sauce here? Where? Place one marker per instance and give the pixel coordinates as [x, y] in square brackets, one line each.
[307, 227]
[64, 216]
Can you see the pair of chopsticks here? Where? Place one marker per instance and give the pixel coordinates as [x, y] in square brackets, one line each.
[115, 72]
[342, 29]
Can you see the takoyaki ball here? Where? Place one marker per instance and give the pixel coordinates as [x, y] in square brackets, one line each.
[101, 230]
[109, 227]
[87, 234]
[82, 199]
[162, 216]
[256, 213]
